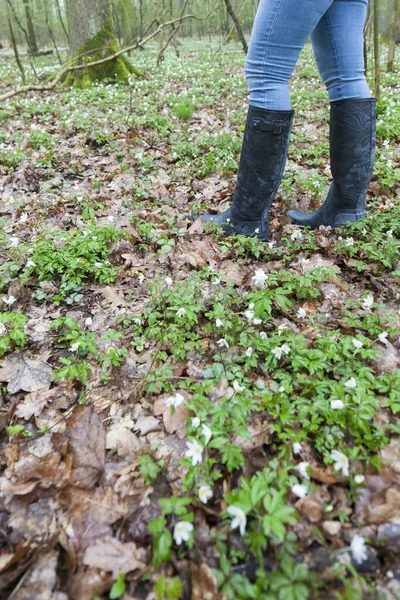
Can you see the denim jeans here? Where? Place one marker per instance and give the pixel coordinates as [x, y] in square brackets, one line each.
[280, 30]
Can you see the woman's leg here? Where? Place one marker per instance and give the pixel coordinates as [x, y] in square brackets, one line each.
[337, 42]
[338, 46]
[280, 30]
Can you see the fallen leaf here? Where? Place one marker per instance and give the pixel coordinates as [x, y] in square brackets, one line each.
[112, 555]
[112, 297]
[23, 373]
[204, 583]
[175, 421]
[147, 424]
[87, 445]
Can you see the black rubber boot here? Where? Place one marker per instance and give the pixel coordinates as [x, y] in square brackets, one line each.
[262, 161]
[352, 152]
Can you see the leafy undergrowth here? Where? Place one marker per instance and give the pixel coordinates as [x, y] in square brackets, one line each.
[185, 415]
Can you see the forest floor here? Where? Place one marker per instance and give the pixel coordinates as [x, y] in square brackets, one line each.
[184, 415]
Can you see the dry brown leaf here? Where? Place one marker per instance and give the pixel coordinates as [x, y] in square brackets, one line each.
[23, 373]
[311, 508]
[112, 555]
[391, 454]
[111, 296]
[34, 403]
[41, 580]
[204, 583]
[175, 421]
[91, 515]
[147, 424]
[87, 445]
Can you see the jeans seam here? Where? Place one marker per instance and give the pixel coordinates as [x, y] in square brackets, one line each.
[335, 52]
[267, 48]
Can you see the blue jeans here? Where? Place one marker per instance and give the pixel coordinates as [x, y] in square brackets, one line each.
[280, 30]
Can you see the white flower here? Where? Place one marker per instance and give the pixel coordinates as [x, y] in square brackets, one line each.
[206, 431]
[257, 321]
[368, 302]
[281, 389]
[296, 448]
[249, 351]
[182, 531]
[271, 245]
[195, 452]
[296, 235]
[205, 493]
[14, 241]
[282, 328]
[263, 335]
[277, 352]
[23, 218]
[301, 313]
[181, 312]
[174, 401]
[260, 277]
[237, 387]
[222, 343]
[2, 328]
[349, 241]
[251, 305]
[137, 321]
[302, 469]
[88, 321]
[195, 422]
[98, 265]
[10, 300]
[359, 479]
[285, 349]
[30, 263]
[300, 490]
[218, 323]
[168, 281]
[337, 404]
[357, 344]
[382, 337]
[74, 347]
[351, 383]
[141, 277]
[239, 520]
[341, 462]
[249, 314]
[358, 549]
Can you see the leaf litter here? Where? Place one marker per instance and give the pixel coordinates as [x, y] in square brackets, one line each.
[88, 452]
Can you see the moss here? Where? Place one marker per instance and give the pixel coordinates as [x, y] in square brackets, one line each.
[118, 69]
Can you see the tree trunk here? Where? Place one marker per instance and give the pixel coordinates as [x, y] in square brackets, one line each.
[15, 47]
[33, 48]
[393, 35]
[234, 18]
[92, 37]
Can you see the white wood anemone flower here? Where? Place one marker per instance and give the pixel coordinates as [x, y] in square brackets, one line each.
[358, 549]
[341, 462]
[205, 493]
[302, 469]
[300, 490]
[174, 401]
[195, 452]
[182, 531]
[259, 278]
[239, 518]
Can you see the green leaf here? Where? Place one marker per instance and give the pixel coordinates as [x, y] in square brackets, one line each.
[118, 588]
